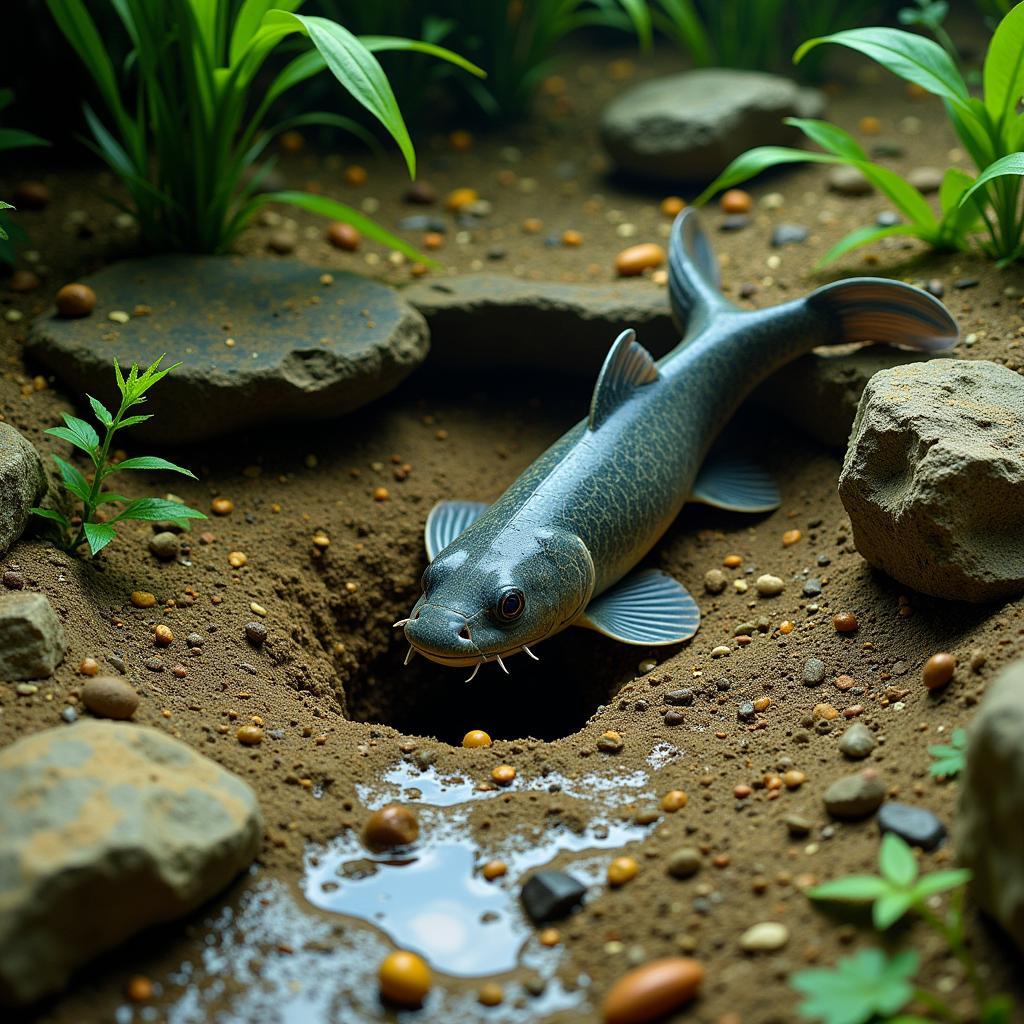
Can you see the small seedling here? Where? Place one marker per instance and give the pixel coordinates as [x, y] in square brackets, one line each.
[82, 435]
[949, 758]
[872, 985]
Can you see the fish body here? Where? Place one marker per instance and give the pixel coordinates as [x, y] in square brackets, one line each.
[559, 546]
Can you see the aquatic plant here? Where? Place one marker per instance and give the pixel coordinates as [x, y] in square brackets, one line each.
[80, 434]
[990, 129]
[873, 983]
[929, 15]
[12, 138]
[949, 757]
[188, 112]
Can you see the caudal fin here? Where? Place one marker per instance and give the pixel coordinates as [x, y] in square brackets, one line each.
[890, 312]
[693, 282]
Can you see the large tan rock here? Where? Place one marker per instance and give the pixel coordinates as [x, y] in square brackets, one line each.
[106, 828]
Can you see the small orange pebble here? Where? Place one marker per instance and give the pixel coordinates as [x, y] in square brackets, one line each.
[163, 635]
[786, 627]
[825, 711]
[790, 537]
[672, 205]
[291, 142]
[490, 994]
[460, 197]
[845, 682]
[460, 139]
[476, 738]
[793, 779]
[735, 201]
[652, 991]
[762, 703]
[321, 540]
[503, 774]
[494, 869]
[343, 236]
[632, 262]
[772, 782]
[236, 559]
[742, 791]
[75, 300]
[404, 979]
[732, 561]
[142, 599]
[355, 175]
[845, 622]
[674, 800]
[550, 937]
[572, 238]
[88, 667]
[938, 670]
[721, 860]
[532, 226]
[621, 870]
[433, 240]
[249, 735]
[381, 494]
[869, 125]
[222, 506]
[139, 989]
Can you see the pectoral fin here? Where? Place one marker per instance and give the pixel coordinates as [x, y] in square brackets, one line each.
[734, 483]
[446, 521]
[647, 608]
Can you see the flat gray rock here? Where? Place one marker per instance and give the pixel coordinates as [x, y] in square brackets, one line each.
[105, 829]
[22, 484]
[990, 814]
[300, 349]
[854, 796]
[493, 320]
[32, 640]
[933, 479]
[689, 126]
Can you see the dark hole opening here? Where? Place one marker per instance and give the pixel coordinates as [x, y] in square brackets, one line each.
[578, 672]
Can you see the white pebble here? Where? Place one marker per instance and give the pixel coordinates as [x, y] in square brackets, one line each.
[769, 586]
[764, 937]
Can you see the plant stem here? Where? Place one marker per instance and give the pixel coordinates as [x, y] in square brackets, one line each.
[100, 461]
[954, 939]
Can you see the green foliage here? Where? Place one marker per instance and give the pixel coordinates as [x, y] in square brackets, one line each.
[859, 988]
[187, 113]
[82, 435]
[929, 15]
[12, 138]
[991, 130]
[949, 758]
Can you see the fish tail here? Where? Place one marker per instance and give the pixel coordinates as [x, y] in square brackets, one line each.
[879, 310]
[694, 288]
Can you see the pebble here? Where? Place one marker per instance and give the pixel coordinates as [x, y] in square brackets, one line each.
[966, 282]
[75, 300]
[550, 895]
[789, 234]
[256, 633]
[622, 870]
[23, 281]
[764, 937]
[811, 588]
[404, 979]
[652, 991]
[476, 738]
[734, 222]
[110, 697]
[854, 796]
[164, 546]
[633, 261]
[249, 735]
[393, 825]
[490, 994]
[343, 236]
[423, 222]
[769, 586]
[679, 698]
[914, 825]
[745, 712]
[938, 671]
[926, 179]
[282, 242]
[222, 506]
[735, 200]
[460, 197]
[671, 206]
[31, 195]
[684, 862]
[857, 742]
[814, 672]
[421, 193]
[610, 742]
[798, 825]
[845, 622]
[848, 181]
[715, 581]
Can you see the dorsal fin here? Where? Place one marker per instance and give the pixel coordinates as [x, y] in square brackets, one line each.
[628, 366]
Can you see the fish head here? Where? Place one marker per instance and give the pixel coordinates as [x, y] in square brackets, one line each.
[487, 598]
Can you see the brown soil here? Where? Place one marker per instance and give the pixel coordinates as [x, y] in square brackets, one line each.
[329, 685]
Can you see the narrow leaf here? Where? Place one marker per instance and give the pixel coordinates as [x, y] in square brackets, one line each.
[381, 44]
[153, 462]
[82, 429]
[72, 438]
[940, 881]
[1004, 66]
[73, 479]
[889, 909]
[1012, 163]
[853, 889]
[101, 411]
[49, 513]
[896, 860]
[156, 509]
[759, 159]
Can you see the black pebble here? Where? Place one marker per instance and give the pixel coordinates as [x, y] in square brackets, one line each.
[733, 222]
[680, 698]
[915, 825]
[550, 895]
[965, 282]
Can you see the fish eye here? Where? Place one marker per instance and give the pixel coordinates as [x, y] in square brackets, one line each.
[510, 604]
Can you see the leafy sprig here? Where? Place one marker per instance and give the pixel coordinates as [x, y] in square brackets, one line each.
[82, 435]
[949, 757]
[859, 988]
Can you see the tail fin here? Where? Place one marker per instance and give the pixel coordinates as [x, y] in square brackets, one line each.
[694, 288]
[879, 310]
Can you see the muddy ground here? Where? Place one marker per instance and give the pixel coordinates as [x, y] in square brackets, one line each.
[339, 710]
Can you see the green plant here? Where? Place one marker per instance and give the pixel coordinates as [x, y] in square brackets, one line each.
[930, 15]
[191, 126]
[847, 995]
[991, 130]
[12, 138]
[949, 758]
[82, 435]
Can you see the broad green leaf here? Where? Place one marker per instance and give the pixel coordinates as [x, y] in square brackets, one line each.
[153, 462]
[754, 161]
[99, 535]
[74, 481]
[897, 861]
[1004, 67]
[940, 881]
[858, 989]
[914, 58]
[381, 44]
[890, 908]
[852, 889]
[72, 438]
[1012, 163]
[101, 411]
[156, 509]
[830, 137]
[82, 429]
[357, 70]
[49, 513]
